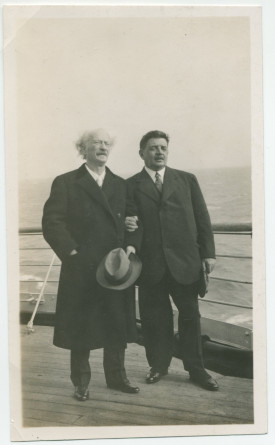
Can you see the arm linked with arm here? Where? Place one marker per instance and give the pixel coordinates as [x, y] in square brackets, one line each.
[133, 238]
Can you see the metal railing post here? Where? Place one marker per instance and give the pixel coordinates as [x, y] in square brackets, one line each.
[30, 323]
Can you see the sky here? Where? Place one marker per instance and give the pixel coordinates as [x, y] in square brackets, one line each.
[187, 76]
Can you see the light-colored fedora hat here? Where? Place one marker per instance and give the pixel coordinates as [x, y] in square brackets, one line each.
[117, 271]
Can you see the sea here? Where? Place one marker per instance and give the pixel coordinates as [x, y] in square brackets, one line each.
[227, 192]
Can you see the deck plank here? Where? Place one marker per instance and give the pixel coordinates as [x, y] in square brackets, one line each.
[119, 410]
[48, 400]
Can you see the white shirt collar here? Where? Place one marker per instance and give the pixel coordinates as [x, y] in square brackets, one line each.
[98, 178]
[152, 173]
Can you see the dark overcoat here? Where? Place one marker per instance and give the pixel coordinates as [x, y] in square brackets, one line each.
[175, 229]
[79, 215]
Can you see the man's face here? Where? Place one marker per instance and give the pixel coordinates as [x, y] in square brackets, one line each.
[155, 153]
[97, 148]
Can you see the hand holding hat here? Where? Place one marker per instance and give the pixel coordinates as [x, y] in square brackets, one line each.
[118, 271]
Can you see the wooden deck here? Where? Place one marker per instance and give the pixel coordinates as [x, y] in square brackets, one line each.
[47, 392]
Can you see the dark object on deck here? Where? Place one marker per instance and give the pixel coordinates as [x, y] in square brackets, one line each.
[219, 357]
[227, 360]
[41, 319]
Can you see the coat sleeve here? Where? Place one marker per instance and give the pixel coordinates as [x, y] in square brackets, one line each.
[55, 220]
[133, 238]
[203, 223]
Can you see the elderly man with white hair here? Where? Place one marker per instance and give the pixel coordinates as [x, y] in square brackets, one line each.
[83, 220]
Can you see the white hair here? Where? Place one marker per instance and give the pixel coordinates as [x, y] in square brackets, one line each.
[86, 136]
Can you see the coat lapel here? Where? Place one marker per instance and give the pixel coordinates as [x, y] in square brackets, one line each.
[109, 185]
[169, 183]
[87, 182]
[146, 186]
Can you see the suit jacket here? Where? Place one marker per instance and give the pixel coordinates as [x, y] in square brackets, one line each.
[79, 215]
[175, 229]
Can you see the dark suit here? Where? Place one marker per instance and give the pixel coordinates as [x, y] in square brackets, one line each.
[79, 215]
[175, 234]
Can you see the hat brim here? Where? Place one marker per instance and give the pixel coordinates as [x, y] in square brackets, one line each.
[135, 273]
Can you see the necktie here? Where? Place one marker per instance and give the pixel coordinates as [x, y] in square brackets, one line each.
[158, 182]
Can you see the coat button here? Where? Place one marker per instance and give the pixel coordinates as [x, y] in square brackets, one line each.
[119, 215]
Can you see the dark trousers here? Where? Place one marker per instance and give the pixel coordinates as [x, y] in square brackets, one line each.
[158, 327]
[119, 327]
[113, 364]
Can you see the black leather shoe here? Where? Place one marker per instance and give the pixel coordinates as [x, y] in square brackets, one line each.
[81, 394]
[124, 387]
[206, 382]
[154, 376]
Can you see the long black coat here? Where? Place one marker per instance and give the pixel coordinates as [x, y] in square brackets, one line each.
[175, 230]
[79, 215]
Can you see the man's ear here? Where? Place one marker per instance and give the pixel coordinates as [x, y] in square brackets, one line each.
[141, 154]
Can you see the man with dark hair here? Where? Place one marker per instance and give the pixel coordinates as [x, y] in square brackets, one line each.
[83, 220]
[176, 246]
[152, 134]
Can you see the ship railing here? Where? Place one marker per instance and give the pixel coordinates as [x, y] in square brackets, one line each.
[218, 229]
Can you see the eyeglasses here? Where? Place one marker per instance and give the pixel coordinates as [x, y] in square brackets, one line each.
[98, 143]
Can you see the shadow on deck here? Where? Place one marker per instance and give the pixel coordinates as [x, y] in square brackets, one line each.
[47, 392]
